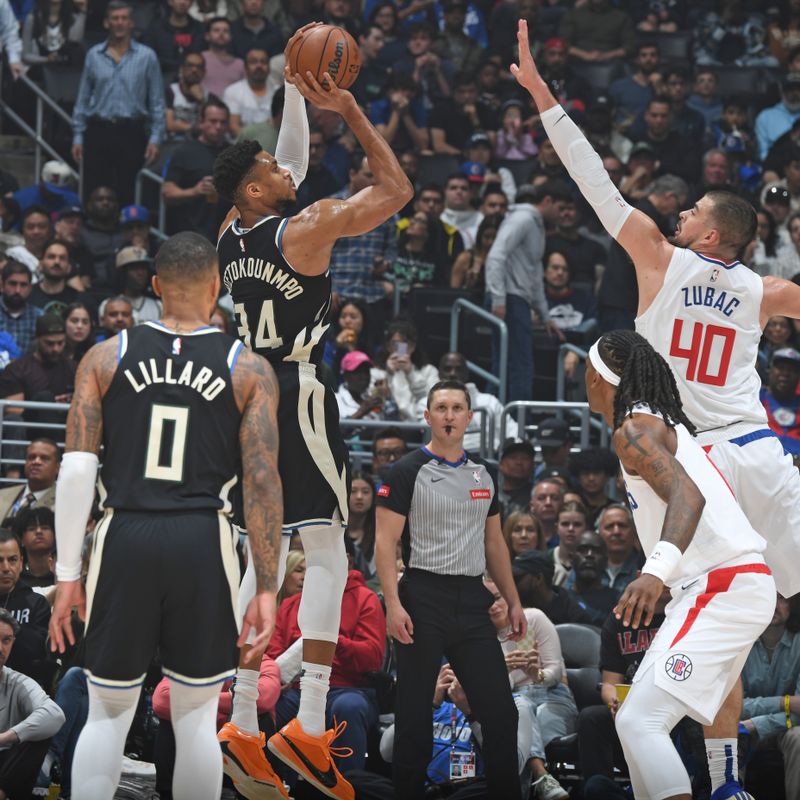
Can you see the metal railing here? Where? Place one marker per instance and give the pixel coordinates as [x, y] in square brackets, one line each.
[580, 412]
[17, 432]
[37, 133]
[465, 306]
[147, 174]
[361, 449]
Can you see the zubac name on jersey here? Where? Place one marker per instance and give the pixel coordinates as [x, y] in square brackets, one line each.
[264, 270]
[709, 297]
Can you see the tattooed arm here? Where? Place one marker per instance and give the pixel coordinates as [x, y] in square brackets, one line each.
[76, 484]
[646, 447]
[256, 390]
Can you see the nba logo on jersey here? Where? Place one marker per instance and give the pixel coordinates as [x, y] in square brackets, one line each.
[678, 667]
[714, 275]
[476, 476]
[241, 244]
[176, 346]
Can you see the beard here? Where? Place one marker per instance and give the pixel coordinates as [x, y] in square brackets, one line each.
[14, 302]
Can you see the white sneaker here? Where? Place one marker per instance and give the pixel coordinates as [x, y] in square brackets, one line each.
[548, 788]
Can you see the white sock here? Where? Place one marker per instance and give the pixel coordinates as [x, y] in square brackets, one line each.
[198, 761]
[97, 763]
[245, 696]
[723, 763]
[314, 682]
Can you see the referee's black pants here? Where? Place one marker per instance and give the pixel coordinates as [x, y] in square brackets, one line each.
[113, 154]
[450, 614]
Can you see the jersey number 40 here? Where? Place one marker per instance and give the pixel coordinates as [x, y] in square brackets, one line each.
[708, 343]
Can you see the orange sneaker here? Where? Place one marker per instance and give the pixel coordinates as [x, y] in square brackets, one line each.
[310, 757]
[246, 765]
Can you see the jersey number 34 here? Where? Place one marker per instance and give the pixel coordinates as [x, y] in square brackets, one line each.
[708, 343]
[265, 336]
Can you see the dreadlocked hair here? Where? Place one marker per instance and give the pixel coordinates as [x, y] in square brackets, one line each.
[645, 377]
[232, 166]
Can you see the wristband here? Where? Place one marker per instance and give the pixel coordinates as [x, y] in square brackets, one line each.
[787, 711]
[662, 561]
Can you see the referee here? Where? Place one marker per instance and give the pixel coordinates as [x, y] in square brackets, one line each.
[442, 504]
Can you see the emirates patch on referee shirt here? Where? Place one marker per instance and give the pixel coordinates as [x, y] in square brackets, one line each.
[480, 494]
[384, 491]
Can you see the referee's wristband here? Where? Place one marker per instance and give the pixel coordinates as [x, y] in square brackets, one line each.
[662, 561]
[787, 710]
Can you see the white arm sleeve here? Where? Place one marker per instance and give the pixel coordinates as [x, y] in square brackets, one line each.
[586, 169]
[74, 498]
[291, 151]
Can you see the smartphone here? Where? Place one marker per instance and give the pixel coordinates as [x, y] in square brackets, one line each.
[401, 348]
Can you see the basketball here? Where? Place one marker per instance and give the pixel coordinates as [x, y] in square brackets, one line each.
[327, 49]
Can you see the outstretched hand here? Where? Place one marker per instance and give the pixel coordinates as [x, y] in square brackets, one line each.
[288, 76]
[526, 73]
[638, 602]
[260, 617]
[328, 95]
[69, 595]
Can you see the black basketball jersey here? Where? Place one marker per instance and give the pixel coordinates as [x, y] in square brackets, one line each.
[282, 315]
[170, 422]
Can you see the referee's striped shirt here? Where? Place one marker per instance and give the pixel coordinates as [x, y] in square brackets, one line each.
[446, 505]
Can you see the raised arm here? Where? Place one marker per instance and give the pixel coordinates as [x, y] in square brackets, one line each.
[256, 390]
[291, 149]
[646, 447]
[309, 237]
[635, 231]
[76, 483]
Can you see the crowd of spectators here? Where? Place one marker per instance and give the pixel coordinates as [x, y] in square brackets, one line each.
[677, 98]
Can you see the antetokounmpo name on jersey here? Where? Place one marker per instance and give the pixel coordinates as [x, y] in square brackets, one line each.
[201, 382]
[263, 270]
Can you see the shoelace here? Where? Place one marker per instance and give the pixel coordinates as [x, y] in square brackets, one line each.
[334, 733]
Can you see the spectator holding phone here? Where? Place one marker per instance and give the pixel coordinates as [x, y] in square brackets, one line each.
[536, 667]
[409, 376]
[355, 398]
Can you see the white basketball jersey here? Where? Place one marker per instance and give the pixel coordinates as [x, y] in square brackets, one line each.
[723, 532]
[705, 321]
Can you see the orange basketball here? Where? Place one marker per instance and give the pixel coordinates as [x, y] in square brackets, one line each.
[327, 49]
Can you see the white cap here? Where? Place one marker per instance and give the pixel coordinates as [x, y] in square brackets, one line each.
[57, 173]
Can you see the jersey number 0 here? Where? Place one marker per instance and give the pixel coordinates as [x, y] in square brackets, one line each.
[166, 443]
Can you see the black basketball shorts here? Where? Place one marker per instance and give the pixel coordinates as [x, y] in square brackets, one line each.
[166, 581]
[312, 460]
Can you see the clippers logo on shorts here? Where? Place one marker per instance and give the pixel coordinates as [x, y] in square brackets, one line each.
[480, 494]
[384, 491]
[678, 667]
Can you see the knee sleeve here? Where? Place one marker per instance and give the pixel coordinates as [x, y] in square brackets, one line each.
[97, 763]
[644, 723]
[198, 760]
[326, 575]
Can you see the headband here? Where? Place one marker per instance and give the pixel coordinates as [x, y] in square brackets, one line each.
[605, 371]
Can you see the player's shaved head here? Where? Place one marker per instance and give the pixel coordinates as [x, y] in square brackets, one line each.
[232, 167]
[186, 258]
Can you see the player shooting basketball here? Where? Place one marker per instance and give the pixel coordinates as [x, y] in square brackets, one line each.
[276, 269]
